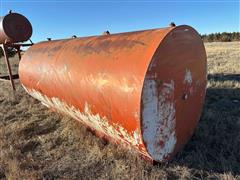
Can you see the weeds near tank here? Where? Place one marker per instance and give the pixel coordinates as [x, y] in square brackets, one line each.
[36, 143]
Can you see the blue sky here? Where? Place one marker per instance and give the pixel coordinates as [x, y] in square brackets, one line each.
[62, 19]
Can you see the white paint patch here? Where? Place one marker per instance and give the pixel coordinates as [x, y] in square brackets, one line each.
[99, 81]
[95, 121]
[127, 86]
[188, 77]
[102, 80]
[158, 118]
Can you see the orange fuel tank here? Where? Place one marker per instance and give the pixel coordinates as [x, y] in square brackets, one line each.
[144, 89]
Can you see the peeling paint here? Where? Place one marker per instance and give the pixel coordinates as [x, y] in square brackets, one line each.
[99, 82]
[94, 121]
[158, 119]
[188, 77]
[127, 87]
[102, 80]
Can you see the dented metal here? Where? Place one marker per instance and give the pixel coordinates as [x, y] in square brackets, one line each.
[144, 89]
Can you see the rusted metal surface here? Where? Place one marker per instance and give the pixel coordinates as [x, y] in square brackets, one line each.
[144, 89]
[14, 28]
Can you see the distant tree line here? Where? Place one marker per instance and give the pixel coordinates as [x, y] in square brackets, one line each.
[221, 37]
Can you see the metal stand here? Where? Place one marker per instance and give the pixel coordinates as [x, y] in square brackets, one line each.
[10, 77]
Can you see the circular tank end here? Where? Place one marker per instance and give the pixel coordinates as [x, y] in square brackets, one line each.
[17, 27]
[173, 93]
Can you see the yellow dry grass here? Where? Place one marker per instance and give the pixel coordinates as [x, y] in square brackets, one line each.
[36, 143]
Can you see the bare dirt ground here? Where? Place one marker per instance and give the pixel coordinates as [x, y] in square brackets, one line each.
[36, 143]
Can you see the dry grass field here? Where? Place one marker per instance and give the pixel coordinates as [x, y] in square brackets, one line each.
[36, 143]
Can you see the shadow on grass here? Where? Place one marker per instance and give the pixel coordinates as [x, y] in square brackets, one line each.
[215, 146]
[224, 77]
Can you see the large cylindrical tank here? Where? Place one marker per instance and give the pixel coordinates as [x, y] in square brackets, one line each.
[144, 89]
[14, 28]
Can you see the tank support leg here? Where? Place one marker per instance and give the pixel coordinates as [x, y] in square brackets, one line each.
[19, 52]
[4, 48]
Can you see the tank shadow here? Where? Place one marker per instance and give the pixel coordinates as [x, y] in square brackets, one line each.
[215, 146]
[224, 77]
